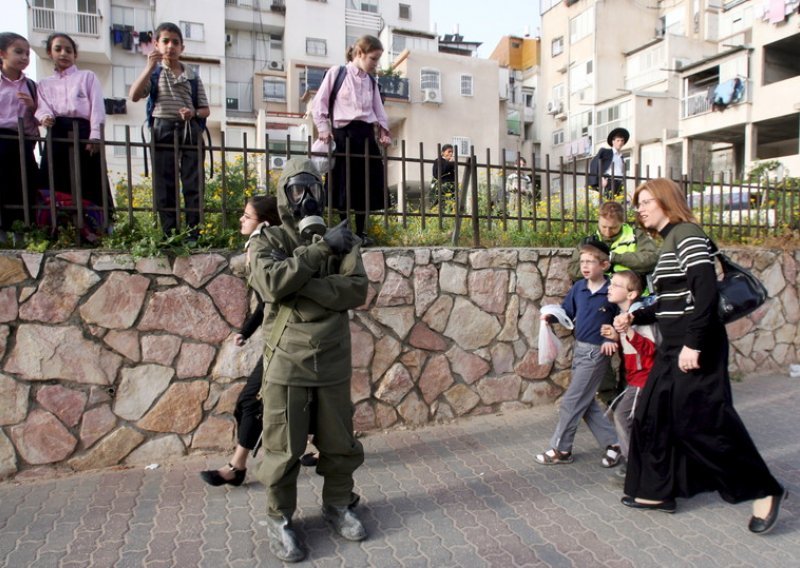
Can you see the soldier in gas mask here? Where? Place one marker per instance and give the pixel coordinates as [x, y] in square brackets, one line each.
[311, 276]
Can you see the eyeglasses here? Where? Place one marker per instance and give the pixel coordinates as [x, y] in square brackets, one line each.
[645, 202]
[615, 285]
[250, 217]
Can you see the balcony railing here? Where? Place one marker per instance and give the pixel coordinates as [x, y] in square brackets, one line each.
[77, 23]
[364, 20]
[703, 102]
[394, 87]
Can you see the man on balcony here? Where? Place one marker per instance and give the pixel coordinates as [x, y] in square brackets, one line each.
[607, 168]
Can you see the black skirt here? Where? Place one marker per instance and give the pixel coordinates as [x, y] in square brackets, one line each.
[63, 163]
[687, 438]
[11, 196]
[358, 133]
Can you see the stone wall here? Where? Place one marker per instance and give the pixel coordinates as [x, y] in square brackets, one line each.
[105, 360]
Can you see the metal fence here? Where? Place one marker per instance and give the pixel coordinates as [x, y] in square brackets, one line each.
[488, 195]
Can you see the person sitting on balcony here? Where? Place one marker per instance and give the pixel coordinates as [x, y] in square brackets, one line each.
[348, 107]
[607, 168]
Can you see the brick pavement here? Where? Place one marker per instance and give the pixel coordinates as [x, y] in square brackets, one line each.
[465, 494]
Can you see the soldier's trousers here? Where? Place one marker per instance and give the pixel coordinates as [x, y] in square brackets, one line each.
[290, 414]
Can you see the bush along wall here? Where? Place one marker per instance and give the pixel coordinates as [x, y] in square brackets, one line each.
[108, 360]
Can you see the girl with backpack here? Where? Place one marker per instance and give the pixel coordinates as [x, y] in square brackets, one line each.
[72, 97]
[17, 100]
[348, 107]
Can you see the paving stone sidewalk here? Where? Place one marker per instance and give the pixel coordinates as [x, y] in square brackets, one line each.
[464, 494]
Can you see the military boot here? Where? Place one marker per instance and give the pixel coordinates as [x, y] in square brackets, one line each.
[283, 541]
[344, 521]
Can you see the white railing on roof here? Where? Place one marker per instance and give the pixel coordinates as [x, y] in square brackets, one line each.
[78, 23]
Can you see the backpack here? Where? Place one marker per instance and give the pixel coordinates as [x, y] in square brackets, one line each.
[337, 85]
[151, 105]
[32, 88]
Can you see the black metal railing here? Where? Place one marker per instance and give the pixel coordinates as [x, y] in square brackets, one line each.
[487, 195]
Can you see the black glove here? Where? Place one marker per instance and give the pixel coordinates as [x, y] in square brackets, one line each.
[340, 238]
[278, 255]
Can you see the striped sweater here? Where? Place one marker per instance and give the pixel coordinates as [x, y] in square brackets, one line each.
[685, 282]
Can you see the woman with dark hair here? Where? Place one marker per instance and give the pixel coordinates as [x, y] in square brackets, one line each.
[259, 211]
[352, 113]
[72, 97]
[687, 437]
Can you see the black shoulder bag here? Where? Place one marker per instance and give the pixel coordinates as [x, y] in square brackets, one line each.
[740, 293]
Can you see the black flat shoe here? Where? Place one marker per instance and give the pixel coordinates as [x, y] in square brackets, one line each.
[667, 506]
[213, 478]
[309, 460]
[762, 526]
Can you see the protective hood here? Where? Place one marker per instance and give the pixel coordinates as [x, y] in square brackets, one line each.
[293, 167]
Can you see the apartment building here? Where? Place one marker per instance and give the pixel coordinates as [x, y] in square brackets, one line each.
[518, 58]
[743, 102]
[701, 86]
[615, 64]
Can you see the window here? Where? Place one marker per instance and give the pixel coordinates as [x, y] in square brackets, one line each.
[580, 125]
[364, 5]
[87, 6]
[193, 31]
[557, 46]
[238, 96]
[316, 46]
[581, 26]
[119, 136]
[274, 89]
[580, 76]
[135, 17]
[558, 92]
[558, 137]
[405, 11]
[121, 80]
[527, 98]
[429, 79]
[466, 85]
[462, 144]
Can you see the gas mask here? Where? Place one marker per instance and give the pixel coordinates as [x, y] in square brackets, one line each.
[305, 197]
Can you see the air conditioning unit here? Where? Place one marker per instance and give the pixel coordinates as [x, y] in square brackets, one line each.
[275, 65]
[228, 39]
[431, 96]
[277, 162]
[553, 107]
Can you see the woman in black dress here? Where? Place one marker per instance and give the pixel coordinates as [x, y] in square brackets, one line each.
[687, 437]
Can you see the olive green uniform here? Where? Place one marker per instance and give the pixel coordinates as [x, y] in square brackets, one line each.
[307, 377]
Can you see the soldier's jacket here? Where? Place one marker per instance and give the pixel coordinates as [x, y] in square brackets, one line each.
[319, 286]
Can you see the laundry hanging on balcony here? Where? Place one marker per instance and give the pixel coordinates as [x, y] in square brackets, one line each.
[122, 35]
[727, 93]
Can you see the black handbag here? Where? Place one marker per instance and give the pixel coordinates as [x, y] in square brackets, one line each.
[740, 293]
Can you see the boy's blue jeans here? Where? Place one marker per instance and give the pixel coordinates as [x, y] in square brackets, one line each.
[589, 366]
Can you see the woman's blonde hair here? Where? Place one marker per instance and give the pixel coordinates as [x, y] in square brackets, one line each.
[364, 44]
[670, 198]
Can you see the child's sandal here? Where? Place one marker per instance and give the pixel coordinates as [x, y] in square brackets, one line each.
[554, 457]
[611, 457]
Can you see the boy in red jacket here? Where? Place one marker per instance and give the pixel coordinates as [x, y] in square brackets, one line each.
[638, 352]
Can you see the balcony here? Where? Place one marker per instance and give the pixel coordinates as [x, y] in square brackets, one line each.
[74, 23]
[713, 98]
[394, 87]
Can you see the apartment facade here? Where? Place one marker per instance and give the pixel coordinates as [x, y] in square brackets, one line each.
[616, 64]
[518, 58]
[701, 86]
